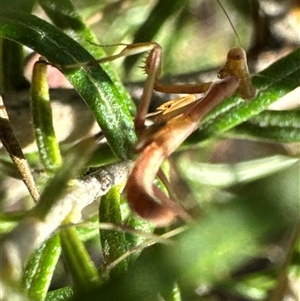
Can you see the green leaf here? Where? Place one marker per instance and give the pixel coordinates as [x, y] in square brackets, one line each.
[273, 83]
[64, 15]
[83, 270]
[39, 269]
[42, 119]
[281, 126]
[113, 242]
[225, 175]
[91, 82]
[11, 67]
[134, 240]
[61, 294]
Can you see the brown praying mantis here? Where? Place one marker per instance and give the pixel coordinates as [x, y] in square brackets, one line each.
[173, 123]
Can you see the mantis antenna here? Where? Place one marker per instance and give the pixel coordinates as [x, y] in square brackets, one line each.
[230, 22]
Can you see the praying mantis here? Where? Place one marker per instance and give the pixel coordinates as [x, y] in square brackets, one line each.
[174, 122]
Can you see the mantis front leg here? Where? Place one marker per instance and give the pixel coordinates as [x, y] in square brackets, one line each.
[141, 194]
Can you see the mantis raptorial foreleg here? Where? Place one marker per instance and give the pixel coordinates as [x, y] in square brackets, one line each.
[140, 191]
